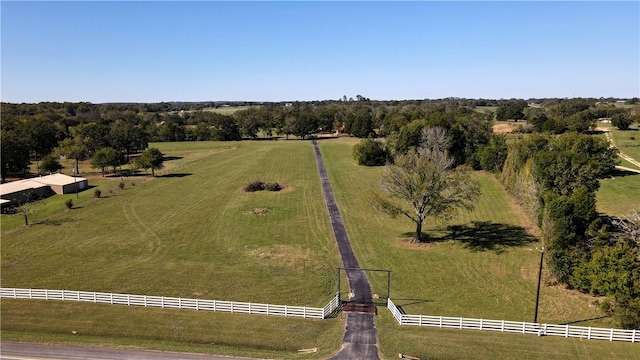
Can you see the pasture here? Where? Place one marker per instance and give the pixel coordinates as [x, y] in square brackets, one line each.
[193, 232]
[227, 110]
[482, 264]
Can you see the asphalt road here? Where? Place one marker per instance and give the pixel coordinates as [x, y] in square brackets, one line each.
[359, 341]
[10, 350]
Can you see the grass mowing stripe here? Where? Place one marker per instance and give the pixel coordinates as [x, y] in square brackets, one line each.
[195, 234]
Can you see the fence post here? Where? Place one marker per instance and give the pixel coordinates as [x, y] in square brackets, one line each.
[420, 320]
[304, 312]
[481, 324]
[78, 295]
[611, 336]
[62, 294]
[95, 298]
[197, 305]
[589, 333]
[285, 311]
[46, 294]
[214, 305]
[523, 327]
[111, 298]
[440, 321]
[14, 293]
[461, 323]
[502, 326]
[179, 303]
[633, 336]
[145, 301]
[128, 300]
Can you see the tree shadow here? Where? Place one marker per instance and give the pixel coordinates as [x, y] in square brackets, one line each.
[585, 320]
[177, 175]
[170, 158]
[401, 306]
[51, 222]
[621, 173]
[482, 236]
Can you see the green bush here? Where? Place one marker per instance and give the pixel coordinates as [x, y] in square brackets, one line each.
[68, 203]
[97, 193]
[272, 187]
[121, 185]
[370, 153]
[254, 186]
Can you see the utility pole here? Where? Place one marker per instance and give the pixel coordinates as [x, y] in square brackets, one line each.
[535, 317]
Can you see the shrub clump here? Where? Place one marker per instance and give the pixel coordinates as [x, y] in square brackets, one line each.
[254, 186]
[97, 193]
[260, 186]
[68, 203]
[272, 187]
[121, 185]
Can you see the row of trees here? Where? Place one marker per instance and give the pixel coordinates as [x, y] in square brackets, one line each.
[556, 178]
[78, 130]
[575, 115]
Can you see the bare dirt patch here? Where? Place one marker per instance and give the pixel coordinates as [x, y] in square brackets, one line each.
[411, 244]
[259, 211]
[293, 256]
[503, 128]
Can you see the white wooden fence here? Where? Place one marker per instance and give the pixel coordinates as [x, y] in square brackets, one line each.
[582, 332]
[174, 302]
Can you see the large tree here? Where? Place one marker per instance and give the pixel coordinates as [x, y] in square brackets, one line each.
[74, 148]
[152, 159]
[14, 154]
[424, 182]
[106, 157]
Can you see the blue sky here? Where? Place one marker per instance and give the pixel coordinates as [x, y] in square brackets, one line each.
[283, 51]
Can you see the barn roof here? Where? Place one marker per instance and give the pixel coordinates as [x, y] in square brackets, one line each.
[58, 179]
[38, 182]
[20, 186]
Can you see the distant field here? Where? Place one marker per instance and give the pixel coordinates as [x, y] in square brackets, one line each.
[619, 195]
[227, 110]
[628, 142]
[485, 109]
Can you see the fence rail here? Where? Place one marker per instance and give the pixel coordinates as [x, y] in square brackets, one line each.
[582, 332]
[174, 302]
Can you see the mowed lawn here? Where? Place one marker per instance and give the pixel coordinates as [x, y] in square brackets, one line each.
[191, 233]
[487, 269]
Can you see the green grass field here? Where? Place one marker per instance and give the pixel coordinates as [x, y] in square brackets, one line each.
[434, 344]
[486, 268]
[192, 232]
[485, 109]
[619, 195]
[228, 110]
